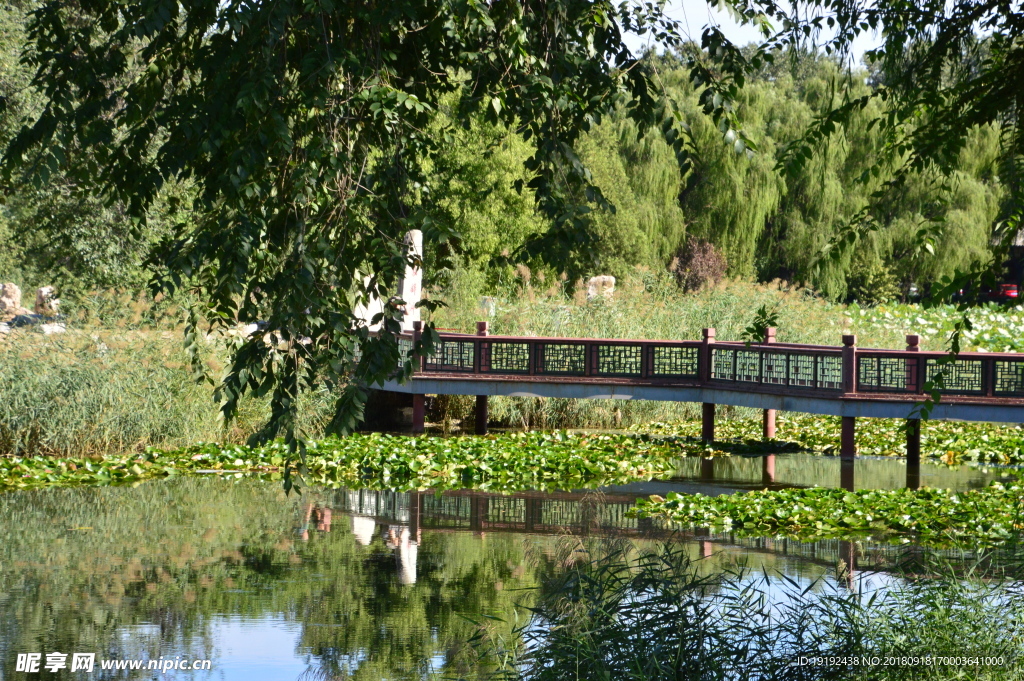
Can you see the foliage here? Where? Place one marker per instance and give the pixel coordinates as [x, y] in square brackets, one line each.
[308, 132]
[873, 284]
[951, 442]
[994, 514]
[59, 232]
[519, 461]
[698, 265]
[654, 615]
[757, 332]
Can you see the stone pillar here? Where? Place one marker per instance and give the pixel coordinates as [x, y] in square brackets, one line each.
[481, 400]
[768, 416]
[410, 287]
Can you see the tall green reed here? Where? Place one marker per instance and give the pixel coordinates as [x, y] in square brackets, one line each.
[645, 615]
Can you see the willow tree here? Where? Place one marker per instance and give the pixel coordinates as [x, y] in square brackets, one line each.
[947, 72]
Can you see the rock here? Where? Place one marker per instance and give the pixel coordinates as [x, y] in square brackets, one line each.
[46, 301]
[602, 285]
[50, 329]
[10, 302]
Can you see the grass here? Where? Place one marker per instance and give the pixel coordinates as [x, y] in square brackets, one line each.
[646, 615]
[111, 391]
[118, 380]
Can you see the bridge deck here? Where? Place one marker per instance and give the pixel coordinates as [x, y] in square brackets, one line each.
[842, 381]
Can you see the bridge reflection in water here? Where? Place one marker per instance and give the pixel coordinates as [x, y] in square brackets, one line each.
[401, 518]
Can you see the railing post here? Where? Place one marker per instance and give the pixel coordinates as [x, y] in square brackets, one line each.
[768, 416]
[707, 427]
[914, 345]
[849, 363]
[481, 400]
[988, 377]
[914, 425]
[418, 409]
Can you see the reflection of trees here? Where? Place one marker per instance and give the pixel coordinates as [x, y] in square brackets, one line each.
[175, 553]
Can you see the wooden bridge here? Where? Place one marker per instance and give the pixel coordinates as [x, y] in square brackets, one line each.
[845, 381]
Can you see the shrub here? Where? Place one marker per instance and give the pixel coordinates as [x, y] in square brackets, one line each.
[698, 264]
[873, 284]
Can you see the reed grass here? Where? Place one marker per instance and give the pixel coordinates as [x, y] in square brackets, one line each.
[645, 305]
[113, 391]
[653, 614]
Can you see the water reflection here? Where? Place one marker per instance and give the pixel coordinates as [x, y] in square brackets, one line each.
[349, 583]
[807, 470]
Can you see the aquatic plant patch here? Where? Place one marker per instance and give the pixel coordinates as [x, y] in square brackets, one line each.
[993, 514]
[994, 328]
[952, 442]
[510, 462]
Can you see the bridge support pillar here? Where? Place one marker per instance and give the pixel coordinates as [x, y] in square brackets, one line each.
[847, 439]
[913, 453]
[768, 416]
[418, 414]
[768, 424]
[768, 470]
[707, 423]
[481, 414]
[707, 468]
[846, 478]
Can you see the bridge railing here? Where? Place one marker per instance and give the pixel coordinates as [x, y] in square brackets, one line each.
[773, 366]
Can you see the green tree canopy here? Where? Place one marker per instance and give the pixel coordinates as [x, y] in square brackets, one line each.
[306, 128]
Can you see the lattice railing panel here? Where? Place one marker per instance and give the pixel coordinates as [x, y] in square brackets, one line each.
[830, 372]
[1009, 378]
[508, 358]
[748, 366]
[674, 362]
[723, 364]
[800, 371]
[405, 347]
[619, 360]
[962, 377]
[775, 368]
[887, 374]
[445, 511]
[452, 356]
[506, 510]
[557, 358]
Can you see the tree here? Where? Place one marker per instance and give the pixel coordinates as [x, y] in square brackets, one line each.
[305, 128]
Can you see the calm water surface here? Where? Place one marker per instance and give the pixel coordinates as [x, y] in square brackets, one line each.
[342, 583]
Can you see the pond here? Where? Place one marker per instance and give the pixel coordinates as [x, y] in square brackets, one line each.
[334, 583]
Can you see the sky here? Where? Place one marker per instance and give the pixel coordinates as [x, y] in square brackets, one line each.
[693, 15]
